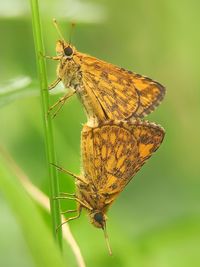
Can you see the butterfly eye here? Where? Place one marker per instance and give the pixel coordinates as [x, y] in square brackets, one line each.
[98, 217]
[68, 51]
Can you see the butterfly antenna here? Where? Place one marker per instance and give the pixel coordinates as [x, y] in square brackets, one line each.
[58, 29]
[71, 31]
[107, 240]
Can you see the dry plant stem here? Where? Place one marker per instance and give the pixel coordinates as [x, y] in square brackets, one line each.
[43, 200]
[50, 151]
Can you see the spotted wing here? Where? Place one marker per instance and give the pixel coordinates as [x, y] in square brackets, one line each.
[114, 152]
[122, 94]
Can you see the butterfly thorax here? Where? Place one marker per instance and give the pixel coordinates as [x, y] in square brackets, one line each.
[70, 71]
[95, 200]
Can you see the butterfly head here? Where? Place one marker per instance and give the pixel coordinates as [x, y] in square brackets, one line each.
[98, 219]
[64, 49]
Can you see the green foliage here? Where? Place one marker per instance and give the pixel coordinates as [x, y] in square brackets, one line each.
[37, 235]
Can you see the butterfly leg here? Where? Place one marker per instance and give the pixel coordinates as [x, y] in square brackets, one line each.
[85, 205]
[67, 194]
[68, 211]
[79, 209]
[70, 173]
[54, 83]
[60, 103]
[51, 57]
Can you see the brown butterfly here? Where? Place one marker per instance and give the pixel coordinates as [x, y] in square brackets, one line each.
[112, 153]
[107, 92]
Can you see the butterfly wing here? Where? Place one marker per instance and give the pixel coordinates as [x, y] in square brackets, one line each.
[106, 151]
[149, 137]
[122, 94]
[114, 152]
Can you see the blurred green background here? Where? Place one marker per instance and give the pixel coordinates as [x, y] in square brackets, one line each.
[156, 220]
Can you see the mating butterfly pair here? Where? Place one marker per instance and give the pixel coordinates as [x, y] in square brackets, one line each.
[115, 142]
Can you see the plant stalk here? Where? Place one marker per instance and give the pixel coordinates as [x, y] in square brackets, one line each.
[47, 121]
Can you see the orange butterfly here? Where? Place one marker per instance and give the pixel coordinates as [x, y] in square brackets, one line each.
[106, 91]
[112, 153]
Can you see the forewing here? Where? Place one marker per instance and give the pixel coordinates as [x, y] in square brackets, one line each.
[114, 152]
[87, 153]
[109, 154]
[149, 137]
[118, 156]
[121, 93]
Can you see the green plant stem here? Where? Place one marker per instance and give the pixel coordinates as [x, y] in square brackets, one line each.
[50, 151]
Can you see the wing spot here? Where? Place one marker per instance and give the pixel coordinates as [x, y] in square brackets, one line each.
[103, 152]
[113, 138]
[119, 151]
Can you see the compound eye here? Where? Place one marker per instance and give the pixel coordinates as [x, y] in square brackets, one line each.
[98, 217]
[68, 51]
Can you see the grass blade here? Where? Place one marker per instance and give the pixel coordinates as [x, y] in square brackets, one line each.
[54, 188]
[36, 233]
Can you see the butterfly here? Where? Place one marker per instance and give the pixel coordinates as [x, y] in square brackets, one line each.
[112, 153]
[106, 91]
